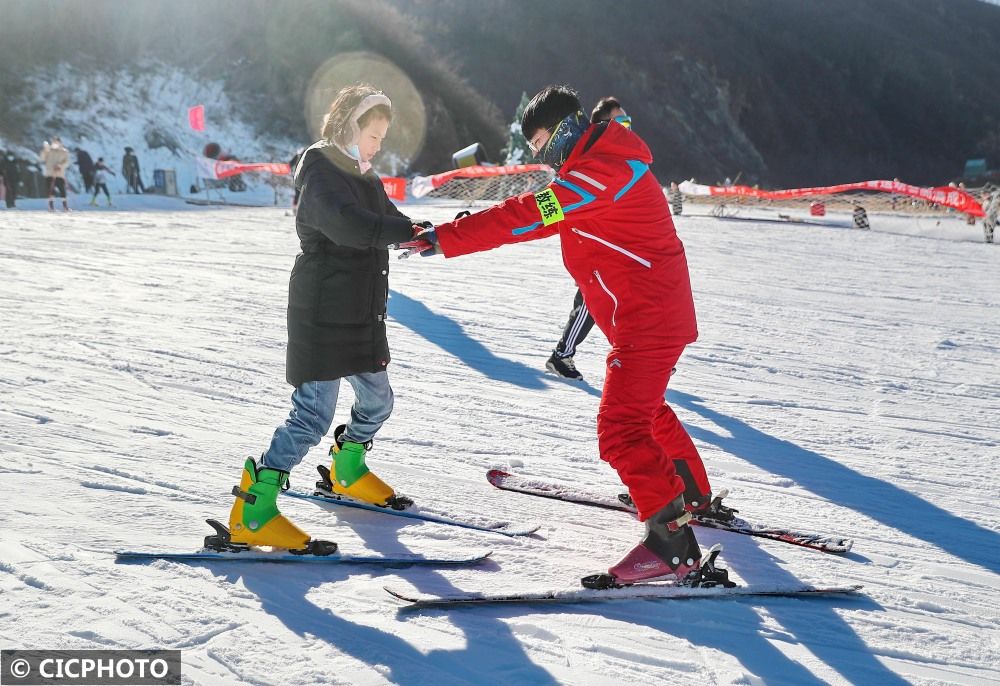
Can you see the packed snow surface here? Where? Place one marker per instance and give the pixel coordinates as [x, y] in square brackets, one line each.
[845, 382]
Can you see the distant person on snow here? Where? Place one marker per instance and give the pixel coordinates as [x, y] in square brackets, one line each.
[11, 179]
[131, 173]
[55, 159]
[86, 165]
[292, 164]
[580, 322]
[336, 323]
[101, 171]
[619, 244]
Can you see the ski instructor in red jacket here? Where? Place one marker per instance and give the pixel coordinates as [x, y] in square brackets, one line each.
[619, 244]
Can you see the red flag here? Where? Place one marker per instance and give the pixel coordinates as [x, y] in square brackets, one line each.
[196, 117]
[395, 187]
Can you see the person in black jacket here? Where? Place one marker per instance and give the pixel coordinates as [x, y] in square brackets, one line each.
[11, 178]
[580, 322]
[131, 173]
[336, 321]
[86, 165]
[292, 164]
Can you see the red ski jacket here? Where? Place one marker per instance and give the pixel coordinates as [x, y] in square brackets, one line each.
[618, 240]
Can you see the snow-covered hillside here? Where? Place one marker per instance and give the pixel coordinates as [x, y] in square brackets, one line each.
[845, 382]
[144, 107]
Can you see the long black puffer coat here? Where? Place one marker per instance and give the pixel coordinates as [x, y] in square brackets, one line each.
[340, 282]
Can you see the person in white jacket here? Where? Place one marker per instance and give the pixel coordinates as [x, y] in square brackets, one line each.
[101, 171]
[56, 160]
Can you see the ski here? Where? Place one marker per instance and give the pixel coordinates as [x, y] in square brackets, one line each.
[503, 528]
[220, 547]
[252, 555]
[568, 493]
[635, 592]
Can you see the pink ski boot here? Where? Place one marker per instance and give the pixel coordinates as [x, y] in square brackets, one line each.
[668, 552]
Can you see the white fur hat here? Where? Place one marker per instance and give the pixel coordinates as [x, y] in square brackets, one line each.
[366, 104]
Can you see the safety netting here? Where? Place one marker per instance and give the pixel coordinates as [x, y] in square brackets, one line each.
[483, 183]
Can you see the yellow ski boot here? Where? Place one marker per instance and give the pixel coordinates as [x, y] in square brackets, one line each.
[350, 477]
[256, 521]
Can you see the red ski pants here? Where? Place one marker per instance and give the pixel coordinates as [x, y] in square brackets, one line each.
[639, 435]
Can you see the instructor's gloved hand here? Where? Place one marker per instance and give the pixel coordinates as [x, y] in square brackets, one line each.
[423, 243]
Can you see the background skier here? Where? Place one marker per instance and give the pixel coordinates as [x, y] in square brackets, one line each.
[85, 163]
[131, 173]
[292, 164]
[55, 159]
[101, 171]
[580, 322]
[11, 179]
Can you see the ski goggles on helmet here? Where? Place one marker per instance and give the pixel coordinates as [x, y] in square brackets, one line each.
[624, 120]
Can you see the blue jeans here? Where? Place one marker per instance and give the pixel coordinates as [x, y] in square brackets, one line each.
[313, 405]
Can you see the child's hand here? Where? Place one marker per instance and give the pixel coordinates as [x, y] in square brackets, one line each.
[423, 243]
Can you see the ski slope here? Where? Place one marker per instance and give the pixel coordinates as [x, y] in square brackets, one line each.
[845, 382]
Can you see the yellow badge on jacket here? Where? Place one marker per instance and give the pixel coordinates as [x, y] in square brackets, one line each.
[549, 207]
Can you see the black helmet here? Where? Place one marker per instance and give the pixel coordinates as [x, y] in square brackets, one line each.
[549, 107]
[555, 109]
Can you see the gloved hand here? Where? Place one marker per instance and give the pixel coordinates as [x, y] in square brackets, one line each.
[423, 243]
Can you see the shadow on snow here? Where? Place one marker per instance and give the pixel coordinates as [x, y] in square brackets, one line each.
[448, 335]
[875, 498]
[490, 645]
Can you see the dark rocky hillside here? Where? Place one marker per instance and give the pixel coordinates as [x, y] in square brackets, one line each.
[781, 92]
[788, 92]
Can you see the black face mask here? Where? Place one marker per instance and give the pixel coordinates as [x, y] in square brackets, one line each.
[563, 139]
